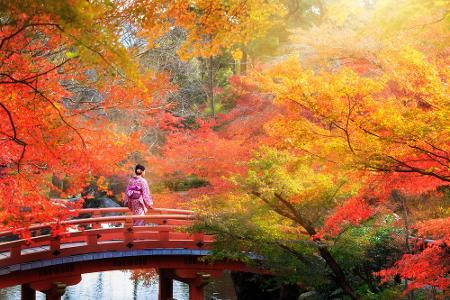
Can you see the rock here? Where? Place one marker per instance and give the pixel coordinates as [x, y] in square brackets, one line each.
[311, 295]
[107, 202]
[102, 202]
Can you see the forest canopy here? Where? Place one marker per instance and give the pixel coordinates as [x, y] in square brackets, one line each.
[313, 133]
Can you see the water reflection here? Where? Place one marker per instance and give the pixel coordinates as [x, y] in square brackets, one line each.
[117, 285]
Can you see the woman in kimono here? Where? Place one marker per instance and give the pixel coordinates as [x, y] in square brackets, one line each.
[137, 195]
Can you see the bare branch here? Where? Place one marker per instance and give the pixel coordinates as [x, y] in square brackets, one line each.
[14, 136]
[4, 40]
[40, 93]
[11, 121]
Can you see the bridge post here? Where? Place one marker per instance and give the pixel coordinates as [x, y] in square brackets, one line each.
[128, 231]
[27, 292]
[53, 290]
[96, 225]
[55, 245]
[165, 284]
[196, 290]
[92, 239]
[164, 235]
[56, 291]
[196, 280]
[16, 252]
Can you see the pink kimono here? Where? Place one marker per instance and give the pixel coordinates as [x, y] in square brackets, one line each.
[138, 197]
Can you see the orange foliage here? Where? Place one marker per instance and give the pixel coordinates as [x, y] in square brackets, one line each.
[352, 212]
[437, 229]
[427, 268]
[213, 149]
[46, 131]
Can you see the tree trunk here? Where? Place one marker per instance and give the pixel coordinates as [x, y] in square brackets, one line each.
[339, 275]
[211, 87]
[244, 61]
[367, 278]
[401, 201]
[203, 69]
[292, 213]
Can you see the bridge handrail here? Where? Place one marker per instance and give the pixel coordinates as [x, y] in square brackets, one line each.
[42, 238]
[178, 214]
[127, 210]
[126, 218]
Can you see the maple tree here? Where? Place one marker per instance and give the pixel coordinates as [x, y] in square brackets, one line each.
[199, 148]
[342, 141]
[66, 78]
[40, 137]
[385, 122]
[369, 125]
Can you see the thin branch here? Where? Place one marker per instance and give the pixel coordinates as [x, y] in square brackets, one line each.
[58, 111]
[22, 155]
[93, 50]
[294, 252]
[430, 23]
[437, 148]
[48, 71]
[430, 152]
[37, 91]
[293, 214]
[14, 136]
[403, 167]
[299, 218]
[4, 40]
[11, 121]
[347, 136]
[250, 238]
[275, 208]
[350, 109]
[29, 79]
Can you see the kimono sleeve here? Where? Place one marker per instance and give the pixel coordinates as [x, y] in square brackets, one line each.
[146, 195]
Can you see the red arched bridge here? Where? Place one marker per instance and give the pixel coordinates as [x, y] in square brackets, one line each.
[105, 239]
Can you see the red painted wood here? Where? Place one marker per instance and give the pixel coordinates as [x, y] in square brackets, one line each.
[193, 273]
[46, 285]
[162, 235]
[53, 274]
[76, 240]
[196, 290]
[154, 212]
[165, 284]
[27, 293]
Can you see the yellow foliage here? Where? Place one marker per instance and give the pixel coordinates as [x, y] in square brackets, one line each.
[237, 54]
[210, 25]
[360, 122]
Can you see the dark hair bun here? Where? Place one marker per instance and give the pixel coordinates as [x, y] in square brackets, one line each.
[139, 169]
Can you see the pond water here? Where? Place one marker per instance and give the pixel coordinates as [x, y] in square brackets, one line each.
[117, 285]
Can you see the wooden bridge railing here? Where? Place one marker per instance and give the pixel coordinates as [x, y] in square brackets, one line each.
[99, 233]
